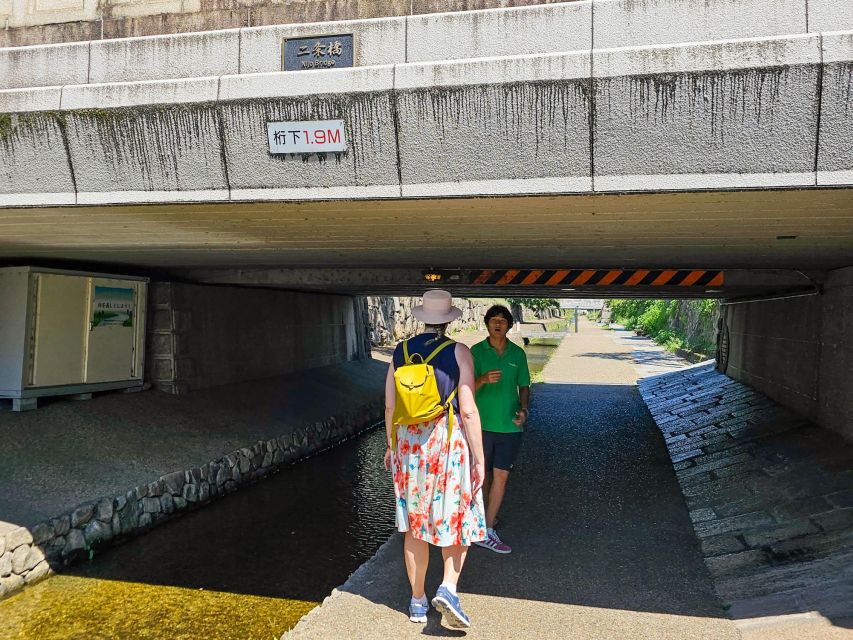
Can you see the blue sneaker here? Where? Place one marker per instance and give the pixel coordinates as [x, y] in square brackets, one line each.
[418, 611]
[451, 610]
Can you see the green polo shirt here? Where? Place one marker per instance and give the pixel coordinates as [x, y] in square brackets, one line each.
[498, 401]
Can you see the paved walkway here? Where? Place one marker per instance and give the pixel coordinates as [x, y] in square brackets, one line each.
[603, 544]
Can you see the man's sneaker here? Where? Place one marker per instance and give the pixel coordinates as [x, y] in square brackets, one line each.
[418, 611]
[448, 604]
[494, 543]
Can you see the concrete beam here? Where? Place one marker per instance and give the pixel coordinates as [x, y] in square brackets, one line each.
[136, 94]
[830, 15]
[379, 41]
[835, 153]
[739, 114]
[539, 29]
[44, 65]
[29, 100]
[716, 115]
[738, 283]
[35, 166]
[628, 23]
[361, 97]
[495, 126]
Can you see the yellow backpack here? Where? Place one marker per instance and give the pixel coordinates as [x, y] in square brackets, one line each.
[418, 398]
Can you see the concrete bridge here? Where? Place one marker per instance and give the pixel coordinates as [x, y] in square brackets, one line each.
[666, 148]
[636, 126]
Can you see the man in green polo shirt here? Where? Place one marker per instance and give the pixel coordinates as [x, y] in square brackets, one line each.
[502, 383]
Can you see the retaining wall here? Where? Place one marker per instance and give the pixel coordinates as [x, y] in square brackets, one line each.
[798, 351]
[391, 320]
[202, 336]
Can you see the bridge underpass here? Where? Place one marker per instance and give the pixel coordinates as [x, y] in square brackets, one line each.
[705, 158]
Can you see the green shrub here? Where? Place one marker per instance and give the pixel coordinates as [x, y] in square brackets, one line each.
[675, 324]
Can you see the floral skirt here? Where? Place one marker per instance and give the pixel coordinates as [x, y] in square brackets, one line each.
[432, 483]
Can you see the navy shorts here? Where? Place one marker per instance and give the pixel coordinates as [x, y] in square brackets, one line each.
[501, 449]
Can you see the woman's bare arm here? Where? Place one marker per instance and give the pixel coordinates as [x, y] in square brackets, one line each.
[467, 406]
[390, 403]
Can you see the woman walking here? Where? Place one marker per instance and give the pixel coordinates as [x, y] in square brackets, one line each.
[437, 463]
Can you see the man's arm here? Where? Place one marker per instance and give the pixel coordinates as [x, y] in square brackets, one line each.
[524, 397]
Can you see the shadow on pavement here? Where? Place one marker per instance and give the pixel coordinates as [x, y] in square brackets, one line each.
[594, 514]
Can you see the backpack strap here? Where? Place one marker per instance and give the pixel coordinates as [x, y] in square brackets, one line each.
[437, 349]
[407, 359]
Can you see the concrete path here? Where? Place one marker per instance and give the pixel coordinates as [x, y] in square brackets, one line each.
[68, 452]
[603, 545]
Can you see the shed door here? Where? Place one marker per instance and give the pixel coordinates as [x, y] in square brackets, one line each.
[113, 308]
[59, 330]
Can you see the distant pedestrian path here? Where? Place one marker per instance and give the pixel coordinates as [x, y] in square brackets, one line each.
[607, 356]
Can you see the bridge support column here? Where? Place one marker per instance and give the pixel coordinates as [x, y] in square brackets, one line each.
[799, 351]
[202, 336]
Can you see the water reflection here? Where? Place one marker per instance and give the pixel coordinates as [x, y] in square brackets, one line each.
[247, 566]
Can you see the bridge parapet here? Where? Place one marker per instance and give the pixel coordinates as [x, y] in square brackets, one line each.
[759, 112]
[538, 29]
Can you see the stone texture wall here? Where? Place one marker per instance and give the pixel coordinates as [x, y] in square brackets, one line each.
[30, 554]
[205, 336]
[391, 320]
[798, 351]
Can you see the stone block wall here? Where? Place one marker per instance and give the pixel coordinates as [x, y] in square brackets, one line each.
[30, 554]
[202, 336]
[798, 351]
[391, 320]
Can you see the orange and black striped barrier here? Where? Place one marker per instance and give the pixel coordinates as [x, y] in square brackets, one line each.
[599, 277]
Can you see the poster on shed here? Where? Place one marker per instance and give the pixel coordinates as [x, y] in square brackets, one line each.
[113, 306]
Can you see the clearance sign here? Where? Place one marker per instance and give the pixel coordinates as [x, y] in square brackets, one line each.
[316, 136]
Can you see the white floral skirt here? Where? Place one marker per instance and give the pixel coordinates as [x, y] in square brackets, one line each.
[432, 483]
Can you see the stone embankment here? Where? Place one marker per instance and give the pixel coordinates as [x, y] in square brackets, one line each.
[28, 554]
[391, 319]
[770, 494]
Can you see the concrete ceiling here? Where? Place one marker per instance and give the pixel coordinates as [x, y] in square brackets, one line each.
[778, 229]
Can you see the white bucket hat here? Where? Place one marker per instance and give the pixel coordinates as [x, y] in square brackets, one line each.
[436, 308]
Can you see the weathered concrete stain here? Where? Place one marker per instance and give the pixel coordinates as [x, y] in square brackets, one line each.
[367, 121]
[28, 129]
[715, 98]
[518, 111]
[151, 141]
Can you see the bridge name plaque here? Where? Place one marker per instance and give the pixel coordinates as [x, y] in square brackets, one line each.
[321, 52]
[316, 136]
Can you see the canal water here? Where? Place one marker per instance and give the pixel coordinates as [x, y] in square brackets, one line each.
[248, 566]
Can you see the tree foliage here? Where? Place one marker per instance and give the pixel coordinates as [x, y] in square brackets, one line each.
[537, 304]
[672, 323]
